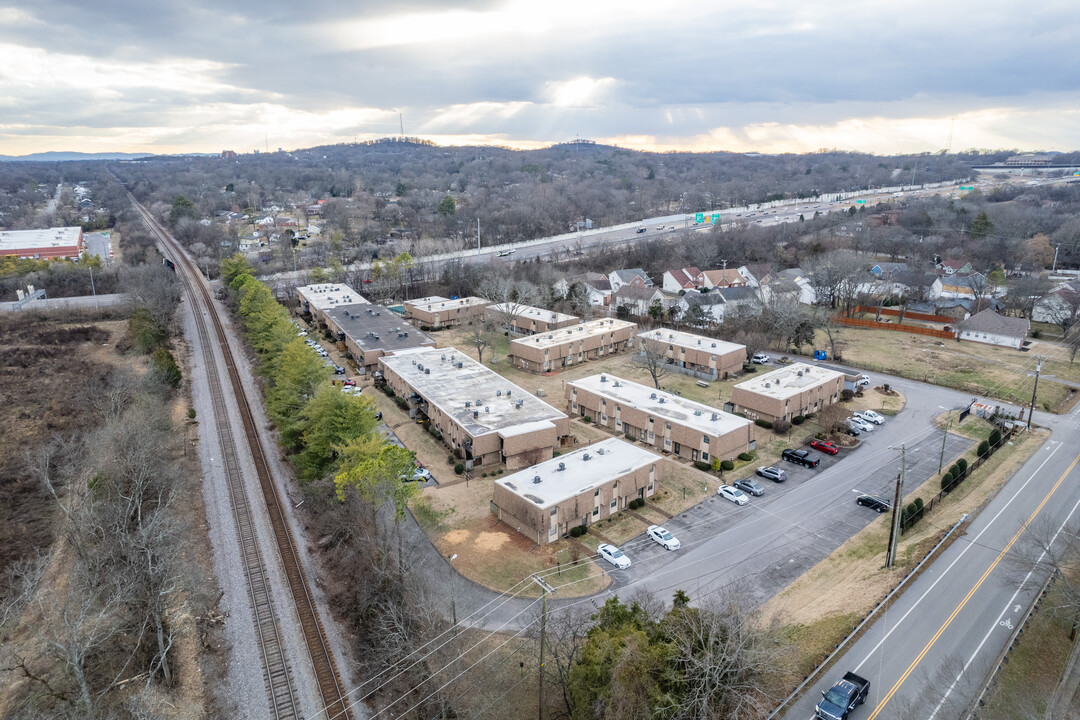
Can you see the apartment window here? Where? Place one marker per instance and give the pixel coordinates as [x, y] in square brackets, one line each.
[554, 511]
[596, 493]
[595, 511]
[667, 426]
[705, 456]
[611, 507]
[706, 439]
[604, 403]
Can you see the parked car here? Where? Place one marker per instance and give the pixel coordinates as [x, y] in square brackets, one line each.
[348, 383]
[760, 359]
[613, 555]
[874, 503]
[749, 485]
[863, 381]
[851, 429]
[860, 423]
[870, 416]
[662, 536]
[772, 473]
[825, 446]
[800, 457]
[338, 370]
[733, 494]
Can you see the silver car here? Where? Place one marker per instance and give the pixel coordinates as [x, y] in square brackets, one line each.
[613, 555]
[772, 473]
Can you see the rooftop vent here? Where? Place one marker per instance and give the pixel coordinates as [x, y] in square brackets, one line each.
[475, 414]
[468, 403]
[479, 402]
[536, 479]
[652, 396]
[507, 393]
[603, 378]
[661, 401]
[413, 362]
[562, 466]
[800, 373]
[420, 366]
[714, 344]
[697, 412]
[427, 371]
[715, 417]
[599, 451]
[617, 384]
[586, 457]
[487, 409]
[519, 403]
[443, 357]
[498, 393]
[460, 365]
[768, 385]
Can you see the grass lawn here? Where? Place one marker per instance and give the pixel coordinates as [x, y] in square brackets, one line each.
[1027, 683]
[816, 610]
[988, 370]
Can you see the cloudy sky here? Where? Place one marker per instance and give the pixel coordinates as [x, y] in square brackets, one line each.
[201, 76]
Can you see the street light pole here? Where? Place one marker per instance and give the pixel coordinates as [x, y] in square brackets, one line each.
[1031, 409]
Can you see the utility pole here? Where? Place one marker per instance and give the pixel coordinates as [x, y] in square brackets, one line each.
[477, 237]
[941, 457]
[1038, 369]
[544, 589]
[898, 498]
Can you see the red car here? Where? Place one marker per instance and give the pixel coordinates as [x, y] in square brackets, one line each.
[348, 383]
[825, 446]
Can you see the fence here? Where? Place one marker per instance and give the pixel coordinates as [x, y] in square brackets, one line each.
[913, 329]
[894, 312]
[975, 464]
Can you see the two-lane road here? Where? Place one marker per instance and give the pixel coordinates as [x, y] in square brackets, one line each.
[928, 654]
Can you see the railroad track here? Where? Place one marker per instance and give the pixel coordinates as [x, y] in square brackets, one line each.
[279, 680]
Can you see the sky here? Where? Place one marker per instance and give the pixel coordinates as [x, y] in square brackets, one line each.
[749, 76]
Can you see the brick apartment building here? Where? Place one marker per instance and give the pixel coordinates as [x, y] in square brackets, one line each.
[667, 422]
[528, 320]
[371, 331]
[579, 488]
[696, 355]
[484, 418]
[317, 299]
[782, 394]
[438, 312]
[572, 345]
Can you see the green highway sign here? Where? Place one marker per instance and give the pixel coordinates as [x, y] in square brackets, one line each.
[860, 202]
[699, 217]
[968, 187]
[716, 218]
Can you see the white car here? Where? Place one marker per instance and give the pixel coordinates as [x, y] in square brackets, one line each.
[733, 494]
[662, 536]
[613, 555]
[760, 359]
[870, 416]
[860, 423]
[863, 381]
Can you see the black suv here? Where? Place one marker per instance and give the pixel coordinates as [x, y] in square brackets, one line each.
[874, 503]
[800, 457]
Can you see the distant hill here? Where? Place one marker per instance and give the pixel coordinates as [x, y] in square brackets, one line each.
[60, 156]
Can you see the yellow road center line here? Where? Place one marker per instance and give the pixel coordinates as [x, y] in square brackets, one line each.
[944, 626]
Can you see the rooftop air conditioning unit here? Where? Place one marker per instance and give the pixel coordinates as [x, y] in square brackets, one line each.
[475, 414]
[599, 451]
[427, 371]
[768, 385]
[585, 457]
[460, 365]
[536, 480]
[662, 401]
[617, 384]
[413, 362]
[697, 412]
[714, 344]
[507, 393]
[715, 417]
[420, 367]
[562, 466]
[468, 403]
[519, 403]
[444, 357]
[498, 393]
[652, 396]
[603, 378]
[479, 402]
[800, 373]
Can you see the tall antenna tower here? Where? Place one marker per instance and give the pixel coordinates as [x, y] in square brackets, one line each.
[401, 119]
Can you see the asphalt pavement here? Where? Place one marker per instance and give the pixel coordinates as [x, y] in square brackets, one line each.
[928, 654]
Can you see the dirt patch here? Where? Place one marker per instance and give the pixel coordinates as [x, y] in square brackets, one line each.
[488, 541]
[456, 537]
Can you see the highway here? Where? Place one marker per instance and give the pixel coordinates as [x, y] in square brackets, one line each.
[928, 654]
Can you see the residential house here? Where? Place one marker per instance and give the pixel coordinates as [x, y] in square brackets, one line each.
[596, 285]
[993, 329]
[725, 278]
[709, 307]
[635, 277]
[757, 274]
[954, 267]
[638, 300]
[973, 286]
[1060, 304]
[681, 279]
[807, 294]
[886, 269]
[741, 299]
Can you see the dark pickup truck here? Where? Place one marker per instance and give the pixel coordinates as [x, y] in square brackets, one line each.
[800, 457]
[842, 698]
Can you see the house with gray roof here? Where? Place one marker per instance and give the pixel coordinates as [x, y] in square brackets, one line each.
[993, 329]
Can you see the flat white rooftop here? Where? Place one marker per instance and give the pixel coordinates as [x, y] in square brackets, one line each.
[329, 295]
[494, 404]
[528, 312]
[607, 460]
[688, 413]
[554, 338]
[789, 381]
[678, 338]
[13, 240]
[441, 304]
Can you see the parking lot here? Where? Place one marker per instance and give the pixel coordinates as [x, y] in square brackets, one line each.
[794, 525]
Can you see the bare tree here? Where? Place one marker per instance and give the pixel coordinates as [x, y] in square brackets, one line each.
[1063, 307]
[479, 336]
[651, 356]
[510, 298]
[155, 288]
